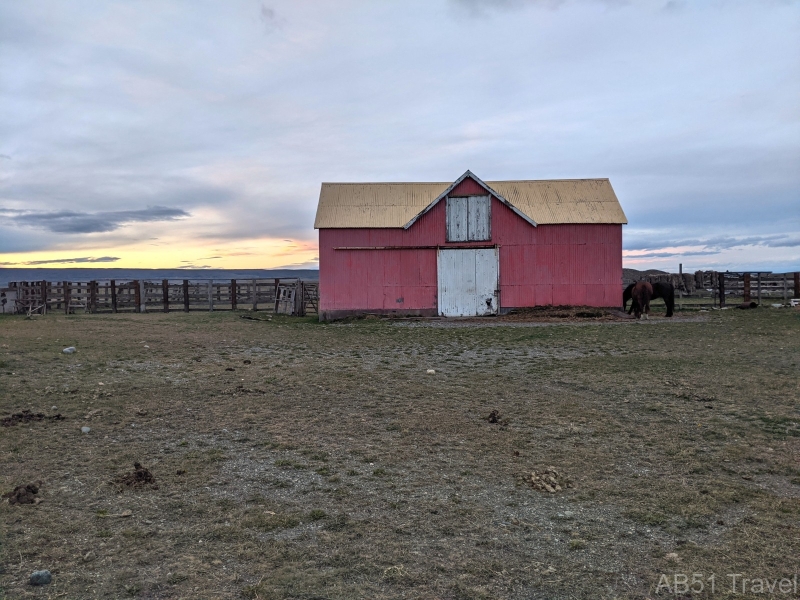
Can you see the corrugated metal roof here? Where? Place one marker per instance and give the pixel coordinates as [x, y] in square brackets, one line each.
[545, 202]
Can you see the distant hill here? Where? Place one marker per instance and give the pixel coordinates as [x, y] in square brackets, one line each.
[634, 274]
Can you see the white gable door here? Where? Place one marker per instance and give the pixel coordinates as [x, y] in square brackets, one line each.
[469, 218]
[468, 282]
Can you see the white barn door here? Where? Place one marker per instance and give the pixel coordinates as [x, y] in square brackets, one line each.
[468, 282]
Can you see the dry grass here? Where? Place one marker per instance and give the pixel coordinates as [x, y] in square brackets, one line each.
[331, 465]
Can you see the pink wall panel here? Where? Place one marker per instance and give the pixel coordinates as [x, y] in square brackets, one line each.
[561, 293]
[544, 267]
[543, 293]
[512, 295]
[409, 268]
[530, 259]
[391, 268]
[578, 295]
[613, 294]
[548, 264]
[468, 187]
[595, 295]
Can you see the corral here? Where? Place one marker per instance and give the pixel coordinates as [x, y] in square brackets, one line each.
[291, 296]
[294, 459]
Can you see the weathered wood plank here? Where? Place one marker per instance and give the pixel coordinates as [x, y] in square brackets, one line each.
[746, 287]
[479, 218]
[457, 219]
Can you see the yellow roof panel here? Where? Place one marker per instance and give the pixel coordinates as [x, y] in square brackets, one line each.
[545, 202]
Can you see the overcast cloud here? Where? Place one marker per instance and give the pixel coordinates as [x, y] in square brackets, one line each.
[68, 221]
[214, 123]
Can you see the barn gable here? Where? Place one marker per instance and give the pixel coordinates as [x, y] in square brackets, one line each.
[400, 205]
[468, 185]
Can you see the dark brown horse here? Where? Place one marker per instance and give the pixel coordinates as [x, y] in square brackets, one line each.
[641, 294]
[661, 289]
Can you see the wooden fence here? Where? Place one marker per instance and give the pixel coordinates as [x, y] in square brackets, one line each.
[717, 286]
[281, 296]
[298, 297]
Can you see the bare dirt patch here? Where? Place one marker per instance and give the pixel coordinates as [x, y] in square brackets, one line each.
[26, 416]
[555, 314]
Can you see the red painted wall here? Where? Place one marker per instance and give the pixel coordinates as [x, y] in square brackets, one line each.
[578, 265]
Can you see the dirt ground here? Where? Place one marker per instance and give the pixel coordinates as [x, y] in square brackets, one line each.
[293, 459]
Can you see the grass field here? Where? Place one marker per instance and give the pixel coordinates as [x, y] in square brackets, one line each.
[294, 459]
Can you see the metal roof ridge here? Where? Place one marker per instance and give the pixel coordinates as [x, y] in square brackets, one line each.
[449, 183]
[546, 180]
[385, 183]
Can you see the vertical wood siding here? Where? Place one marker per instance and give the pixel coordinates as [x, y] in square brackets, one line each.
[457, 210]
[479, 210]
[548, 264]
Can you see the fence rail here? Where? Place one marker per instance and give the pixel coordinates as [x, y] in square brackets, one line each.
[282, 296]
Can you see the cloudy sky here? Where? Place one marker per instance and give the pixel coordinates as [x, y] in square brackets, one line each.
[167, 134]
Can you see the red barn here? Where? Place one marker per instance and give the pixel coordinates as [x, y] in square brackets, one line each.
[468, 247]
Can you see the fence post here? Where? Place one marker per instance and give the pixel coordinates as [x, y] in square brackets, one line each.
[113, 296]
[797, 284]
[680, 288]
[746, 288]
[66, 297]
[137, 296]
[785, 290]
[185, 295]
[233, 294]
[759, 288]
[721, 282]
[210, 296]
[299, 299]
[255, 295]
[165, 292]
[43, 291]
[92, 296]
[143, 295]
[277, 289]
[715, 287]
